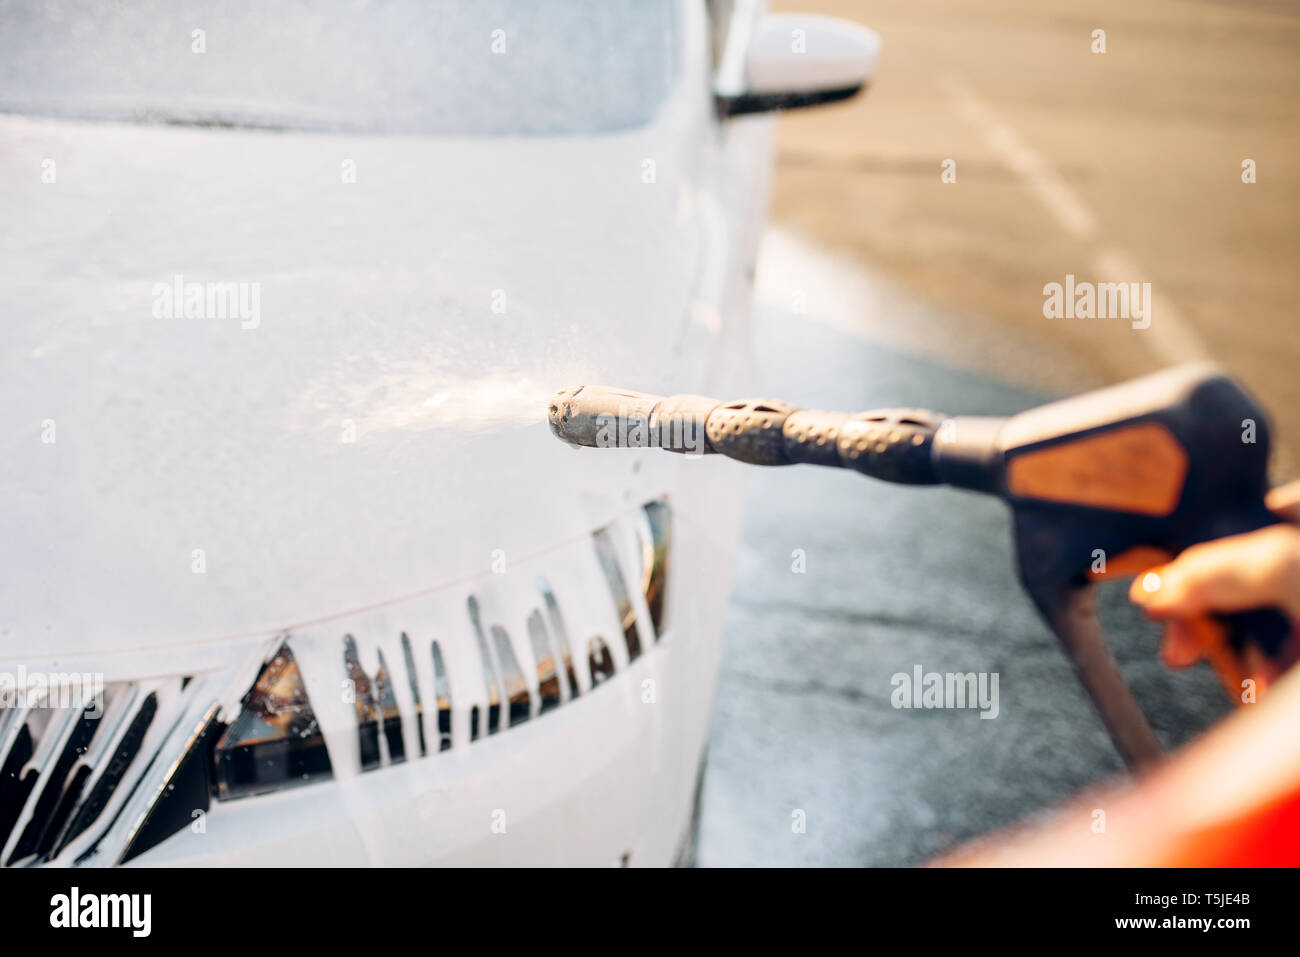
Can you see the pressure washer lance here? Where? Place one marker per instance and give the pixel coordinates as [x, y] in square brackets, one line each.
[1100, 485]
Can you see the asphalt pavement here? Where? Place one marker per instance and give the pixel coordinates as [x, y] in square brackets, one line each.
[1121, 162]
[810, 762]
[1104, 139]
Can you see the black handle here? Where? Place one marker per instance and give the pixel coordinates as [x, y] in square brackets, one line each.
[1268, 628]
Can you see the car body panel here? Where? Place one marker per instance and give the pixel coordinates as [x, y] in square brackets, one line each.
[372, 453]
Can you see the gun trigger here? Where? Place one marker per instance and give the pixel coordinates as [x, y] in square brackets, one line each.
[1129, 562]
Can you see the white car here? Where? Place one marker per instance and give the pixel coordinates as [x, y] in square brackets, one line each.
[292, 570]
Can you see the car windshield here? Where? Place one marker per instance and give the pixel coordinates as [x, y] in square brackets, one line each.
[476, 67]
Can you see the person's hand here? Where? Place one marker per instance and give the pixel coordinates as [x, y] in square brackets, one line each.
[1237, 573]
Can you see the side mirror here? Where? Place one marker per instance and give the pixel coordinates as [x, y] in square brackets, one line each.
[793, 60]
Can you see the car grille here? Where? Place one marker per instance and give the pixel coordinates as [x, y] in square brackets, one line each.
[98, 780]
[80, 780]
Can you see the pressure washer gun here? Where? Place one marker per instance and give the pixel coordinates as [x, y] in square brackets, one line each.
[1131, 474]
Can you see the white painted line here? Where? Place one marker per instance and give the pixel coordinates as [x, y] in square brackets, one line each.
[1052, 191]
[1170, 338]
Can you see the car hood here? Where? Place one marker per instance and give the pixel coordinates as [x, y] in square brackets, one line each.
[376, 430]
